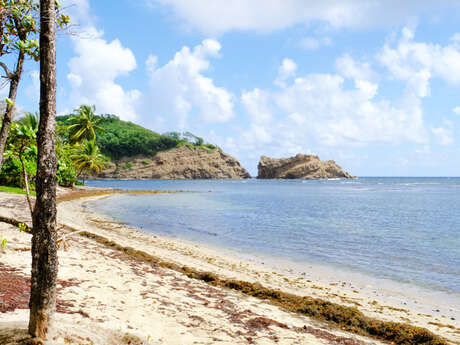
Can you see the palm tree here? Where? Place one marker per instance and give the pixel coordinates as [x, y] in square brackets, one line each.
[87, 158]
[84, 124]
[31, 120]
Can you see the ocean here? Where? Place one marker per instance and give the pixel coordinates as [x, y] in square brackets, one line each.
[403, 229]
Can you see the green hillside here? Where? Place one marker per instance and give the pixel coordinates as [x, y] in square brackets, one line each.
[126, 139]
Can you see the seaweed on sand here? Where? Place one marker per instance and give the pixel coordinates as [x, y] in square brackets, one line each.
[343, 317]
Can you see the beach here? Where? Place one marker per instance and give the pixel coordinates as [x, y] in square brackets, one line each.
[111, 291]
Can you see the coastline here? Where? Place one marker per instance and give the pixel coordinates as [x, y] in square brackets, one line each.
[381, 302]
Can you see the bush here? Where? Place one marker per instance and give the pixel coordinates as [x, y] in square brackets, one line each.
[66, 174]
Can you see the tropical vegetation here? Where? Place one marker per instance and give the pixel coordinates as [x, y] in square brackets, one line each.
[76, 150]
[85, 142]
[117, 138]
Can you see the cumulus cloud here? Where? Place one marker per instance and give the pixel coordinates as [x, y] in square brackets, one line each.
[410, 59]
[97, 65]
[220, 16]
[319, 110]
[322, 110]
[93, 74]
[257, 105]
[179, 89]
[350, 68]
[287, 70]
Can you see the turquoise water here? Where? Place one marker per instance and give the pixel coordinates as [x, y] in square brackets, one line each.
[404, 229]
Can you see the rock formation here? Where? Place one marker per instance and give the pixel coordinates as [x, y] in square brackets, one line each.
[299, 167]
[178, 163]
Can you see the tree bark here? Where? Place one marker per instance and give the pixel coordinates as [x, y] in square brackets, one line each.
[44, 251]
[8, 117]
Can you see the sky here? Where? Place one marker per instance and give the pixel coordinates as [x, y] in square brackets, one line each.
[373, 85]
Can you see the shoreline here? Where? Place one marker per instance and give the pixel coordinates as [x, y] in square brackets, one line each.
[403, 295]
[224, 263]
[425, 299]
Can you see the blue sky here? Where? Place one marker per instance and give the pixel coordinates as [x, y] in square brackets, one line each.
[374, 85]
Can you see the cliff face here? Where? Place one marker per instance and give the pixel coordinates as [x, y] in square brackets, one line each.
[178, 163]
[299, 166]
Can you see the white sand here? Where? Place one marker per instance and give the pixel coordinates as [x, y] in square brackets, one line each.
[112, 297]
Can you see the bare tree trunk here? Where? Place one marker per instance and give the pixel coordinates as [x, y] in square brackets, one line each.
[44, 251]
[8, 117]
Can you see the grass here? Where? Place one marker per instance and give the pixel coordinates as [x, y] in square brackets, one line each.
[344, 317]
[15, 190]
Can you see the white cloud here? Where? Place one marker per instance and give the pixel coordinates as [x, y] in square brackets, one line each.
[313, 43]
[455, 37]
[318, 110]
[456, 110]
[97, 65]
[93, 73]
[287, 70]
[422, 61]
[219, 16]
[444, 136]
[350, 68]
[256, 103]
[179, 89]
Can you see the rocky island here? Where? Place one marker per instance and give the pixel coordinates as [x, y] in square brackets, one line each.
[299, 167]
[178, 163]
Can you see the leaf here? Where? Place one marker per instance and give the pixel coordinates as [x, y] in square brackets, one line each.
[4, 243]
[9, 102]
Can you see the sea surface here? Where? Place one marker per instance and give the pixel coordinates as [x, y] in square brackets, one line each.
[402, 229]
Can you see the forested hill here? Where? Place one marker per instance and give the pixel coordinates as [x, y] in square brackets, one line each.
[118, 138]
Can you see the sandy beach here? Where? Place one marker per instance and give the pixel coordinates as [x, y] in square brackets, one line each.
[107, 296]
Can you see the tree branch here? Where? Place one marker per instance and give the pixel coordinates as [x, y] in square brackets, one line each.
[16, 223]
[9, 75]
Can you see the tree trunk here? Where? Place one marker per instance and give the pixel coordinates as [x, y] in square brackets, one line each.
[8, 117]
[44, 251]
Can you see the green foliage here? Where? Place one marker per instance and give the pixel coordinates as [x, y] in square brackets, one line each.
[30, 120]
[117, 139]
[87, 158]
[22, 142]
[128, 165]
[20, 26]
[83, 125]
[145, 162]
[4, 240]
[22, 227]
[11, 174]
[66, 174]
[125, 139]
[21, 146]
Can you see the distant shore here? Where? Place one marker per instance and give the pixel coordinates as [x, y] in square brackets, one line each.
[109, 286]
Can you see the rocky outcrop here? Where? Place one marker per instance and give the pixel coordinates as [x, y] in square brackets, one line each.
[299, 167]
[178, 163]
